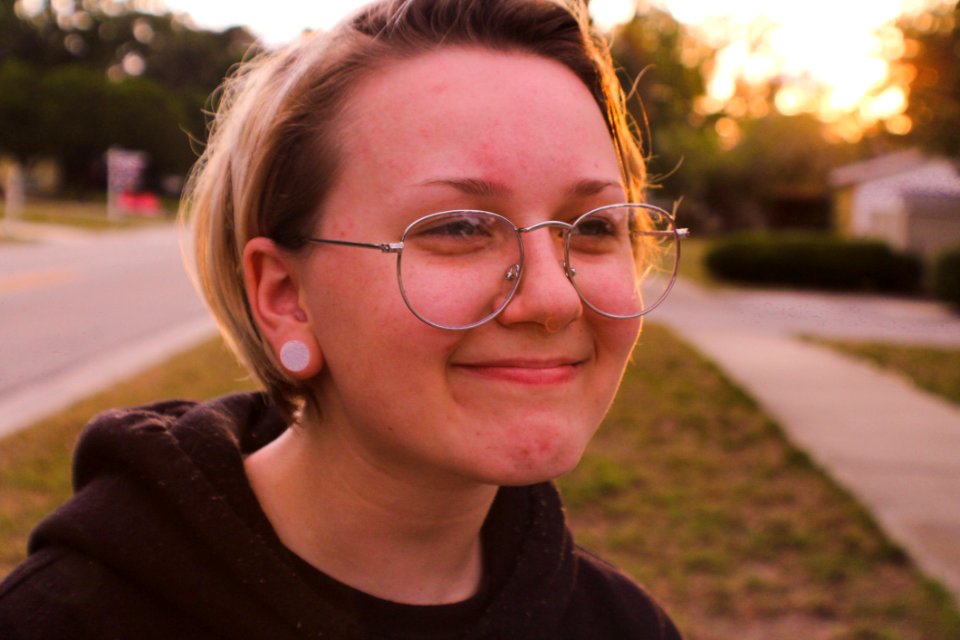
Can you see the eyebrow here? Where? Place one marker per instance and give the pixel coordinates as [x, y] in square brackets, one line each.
[485, 188]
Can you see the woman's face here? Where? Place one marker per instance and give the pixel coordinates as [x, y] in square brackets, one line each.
[513, 401]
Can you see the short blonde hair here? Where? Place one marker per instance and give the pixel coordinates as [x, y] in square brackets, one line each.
[273, 151]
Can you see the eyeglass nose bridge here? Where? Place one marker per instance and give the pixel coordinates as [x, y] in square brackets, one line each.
[515, 271]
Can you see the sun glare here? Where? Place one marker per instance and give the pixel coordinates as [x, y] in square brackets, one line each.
[834, 58]
[828, 57]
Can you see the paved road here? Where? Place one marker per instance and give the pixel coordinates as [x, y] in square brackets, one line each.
[897, 449]
[79, 311]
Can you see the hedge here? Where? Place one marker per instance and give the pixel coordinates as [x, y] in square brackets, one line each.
[946, 276]
[813, 261]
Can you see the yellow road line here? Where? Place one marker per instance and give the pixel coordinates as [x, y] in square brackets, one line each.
[35, 280]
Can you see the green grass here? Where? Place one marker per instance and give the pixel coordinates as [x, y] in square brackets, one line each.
[89, 215]
[687, 486]
[935, 369]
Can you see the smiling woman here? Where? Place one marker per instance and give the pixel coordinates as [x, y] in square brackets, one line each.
[423, 234]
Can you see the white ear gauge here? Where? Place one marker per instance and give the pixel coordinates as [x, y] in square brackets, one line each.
[295, 356]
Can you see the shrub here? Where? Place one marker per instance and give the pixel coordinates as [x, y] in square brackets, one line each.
[813, 261]
[946, 276]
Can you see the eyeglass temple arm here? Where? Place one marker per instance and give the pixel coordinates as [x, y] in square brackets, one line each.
[386, 247]
[680, 233]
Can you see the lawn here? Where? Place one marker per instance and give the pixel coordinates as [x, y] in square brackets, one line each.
[935, 369]
[88, 215]
[688, 486]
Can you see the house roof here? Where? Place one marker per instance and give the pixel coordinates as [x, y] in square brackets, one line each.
[883, 166]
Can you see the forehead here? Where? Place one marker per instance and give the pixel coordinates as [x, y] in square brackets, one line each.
[475, 110]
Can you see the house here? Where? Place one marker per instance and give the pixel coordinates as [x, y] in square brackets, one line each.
[908, 199]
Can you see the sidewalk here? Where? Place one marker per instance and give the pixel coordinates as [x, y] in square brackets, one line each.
[895, 448]
[45, 232]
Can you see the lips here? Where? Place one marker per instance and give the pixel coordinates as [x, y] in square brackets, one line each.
[523, 371]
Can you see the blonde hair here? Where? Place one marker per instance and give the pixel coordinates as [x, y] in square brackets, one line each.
[273, 151]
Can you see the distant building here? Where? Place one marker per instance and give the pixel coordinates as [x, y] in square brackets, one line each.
[908, 199]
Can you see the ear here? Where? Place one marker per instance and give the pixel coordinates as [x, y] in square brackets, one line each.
[272, 281]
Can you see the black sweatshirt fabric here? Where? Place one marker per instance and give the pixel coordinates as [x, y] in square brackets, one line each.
[164, 538]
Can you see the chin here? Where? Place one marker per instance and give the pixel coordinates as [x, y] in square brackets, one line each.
[526, 467]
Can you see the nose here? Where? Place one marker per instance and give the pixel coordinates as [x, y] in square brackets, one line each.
[545, 295]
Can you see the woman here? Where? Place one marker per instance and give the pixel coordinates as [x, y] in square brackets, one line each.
[429, 365]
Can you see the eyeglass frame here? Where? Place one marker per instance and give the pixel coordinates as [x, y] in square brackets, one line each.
[569, 272]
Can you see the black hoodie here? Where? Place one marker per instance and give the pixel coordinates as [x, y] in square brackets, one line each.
[165, 539]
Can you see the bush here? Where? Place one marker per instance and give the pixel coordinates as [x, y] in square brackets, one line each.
[813, 261]
[946, 276]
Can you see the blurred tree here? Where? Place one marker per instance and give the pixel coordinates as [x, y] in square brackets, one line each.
[141, 114]
[72, 109]
[666, 63]
[105, 73]
[23, 134]
[934, 53]
[776, 175]
[744, 166]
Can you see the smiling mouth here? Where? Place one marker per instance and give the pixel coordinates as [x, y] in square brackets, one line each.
[531, 373]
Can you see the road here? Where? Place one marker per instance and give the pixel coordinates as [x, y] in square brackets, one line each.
[79, 311]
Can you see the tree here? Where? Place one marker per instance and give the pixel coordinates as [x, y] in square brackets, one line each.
[662, 58]
[935, 91]
[665, 63]
[77, 77]
[23, 134]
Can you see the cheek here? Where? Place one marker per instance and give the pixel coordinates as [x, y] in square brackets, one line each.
[615, 341]
[363, 326]
[350, 285]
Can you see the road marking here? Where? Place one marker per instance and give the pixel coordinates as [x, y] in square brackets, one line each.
[36, 280]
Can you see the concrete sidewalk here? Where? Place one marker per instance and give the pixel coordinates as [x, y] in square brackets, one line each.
[896, 448]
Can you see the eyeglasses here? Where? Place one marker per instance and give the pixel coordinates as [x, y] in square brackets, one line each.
[459, 269]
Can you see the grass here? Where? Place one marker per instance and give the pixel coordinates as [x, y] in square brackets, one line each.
[693, 490]
[86, 215]
[935, 369]
[687, 486]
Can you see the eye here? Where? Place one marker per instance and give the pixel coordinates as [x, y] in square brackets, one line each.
[459, 227]
[459, 233]
[598, 226]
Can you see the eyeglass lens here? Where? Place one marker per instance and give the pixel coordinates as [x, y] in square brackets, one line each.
[460, 268]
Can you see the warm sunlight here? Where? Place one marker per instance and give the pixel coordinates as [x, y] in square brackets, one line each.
[828, 57]
[834, 58]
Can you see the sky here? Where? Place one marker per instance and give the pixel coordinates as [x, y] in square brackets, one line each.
[835, 56]
[278, 21]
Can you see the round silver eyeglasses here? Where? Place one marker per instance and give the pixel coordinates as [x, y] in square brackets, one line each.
[459, 269]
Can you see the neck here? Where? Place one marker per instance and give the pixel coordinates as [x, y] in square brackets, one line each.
[407, 540]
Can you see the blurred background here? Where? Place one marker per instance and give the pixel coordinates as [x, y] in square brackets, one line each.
[819, 121]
